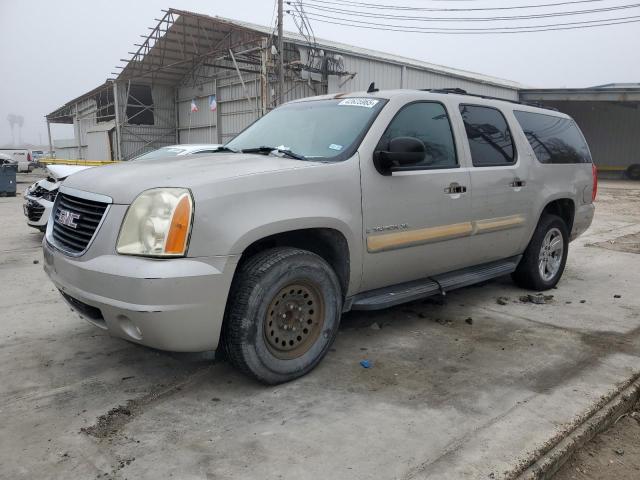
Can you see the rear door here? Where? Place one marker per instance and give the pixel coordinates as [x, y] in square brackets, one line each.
[416, 220]
[501, 199]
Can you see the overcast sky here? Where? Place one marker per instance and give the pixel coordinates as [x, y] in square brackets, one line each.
[52, 51]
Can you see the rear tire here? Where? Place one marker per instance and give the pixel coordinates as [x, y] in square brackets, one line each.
[544, 259]
[283, 314]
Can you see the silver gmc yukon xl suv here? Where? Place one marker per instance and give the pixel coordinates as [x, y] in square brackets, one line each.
[340, 202]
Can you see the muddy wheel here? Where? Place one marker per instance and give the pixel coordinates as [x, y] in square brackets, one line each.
[282, 314]
[633, 172]
[544, 259]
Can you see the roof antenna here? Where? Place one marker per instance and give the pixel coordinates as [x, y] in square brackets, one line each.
[372, 88]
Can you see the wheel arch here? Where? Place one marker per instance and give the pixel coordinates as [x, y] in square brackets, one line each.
[563, 207]
[329, 243]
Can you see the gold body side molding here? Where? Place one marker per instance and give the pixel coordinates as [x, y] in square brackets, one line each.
[410, 238]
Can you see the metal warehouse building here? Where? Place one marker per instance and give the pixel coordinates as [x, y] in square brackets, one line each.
[212, 61]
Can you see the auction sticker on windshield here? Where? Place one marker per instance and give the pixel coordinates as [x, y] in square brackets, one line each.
[359, 102]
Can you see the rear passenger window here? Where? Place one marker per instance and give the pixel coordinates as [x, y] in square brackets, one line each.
[489, 136]
[429, 122]
[554, 139]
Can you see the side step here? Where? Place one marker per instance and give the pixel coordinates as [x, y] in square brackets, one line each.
[406, 292]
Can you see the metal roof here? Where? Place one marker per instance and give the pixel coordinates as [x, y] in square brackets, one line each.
[183, 38]
[64, 114]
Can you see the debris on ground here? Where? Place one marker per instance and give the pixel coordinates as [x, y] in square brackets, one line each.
[375, 326]
[502, 300]
[583, 301]
[469, 320]
[617, 296]
[109, 422]
[35, 262]
[538, 299]
[366, 364]
[619, 451]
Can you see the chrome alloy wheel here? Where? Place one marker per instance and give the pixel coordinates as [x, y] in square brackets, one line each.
[550, 256]
[295, 318]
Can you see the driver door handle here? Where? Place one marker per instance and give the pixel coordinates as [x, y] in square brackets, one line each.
[517, 183]
[455, 188]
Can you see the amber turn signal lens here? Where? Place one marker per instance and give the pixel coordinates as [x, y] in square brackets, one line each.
[179, 230]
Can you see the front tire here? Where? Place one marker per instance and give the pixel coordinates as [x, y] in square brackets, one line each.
[282, 315]
[544, 259]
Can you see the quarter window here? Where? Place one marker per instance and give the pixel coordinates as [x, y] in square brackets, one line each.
[554, 139]
[428, 122]
[490, 139]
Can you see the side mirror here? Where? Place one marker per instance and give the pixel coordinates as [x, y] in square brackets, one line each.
[401, 152]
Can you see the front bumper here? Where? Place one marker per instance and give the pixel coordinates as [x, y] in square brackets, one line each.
[37, 210]
[173, 304]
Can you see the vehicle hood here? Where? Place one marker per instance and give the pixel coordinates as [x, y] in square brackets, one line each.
[60, 172]
[123, 182]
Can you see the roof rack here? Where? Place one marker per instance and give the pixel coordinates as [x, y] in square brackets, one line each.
[460, 91]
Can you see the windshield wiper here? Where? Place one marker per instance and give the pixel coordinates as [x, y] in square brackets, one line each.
[264, 149]
[226, 149]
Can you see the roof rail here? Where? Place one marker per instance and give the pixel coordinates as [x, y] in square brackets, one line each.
[460, 91]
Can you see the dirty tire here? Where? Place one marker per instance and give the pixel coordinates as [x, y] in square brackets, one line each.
[248, 335]
[633, 172]
[528, 274]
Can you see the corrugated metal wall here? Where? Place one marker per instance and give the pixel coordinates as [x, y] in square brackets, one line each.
[388, 75]
[138, 139]
[235, 110]
[612, 130]
[200, 126]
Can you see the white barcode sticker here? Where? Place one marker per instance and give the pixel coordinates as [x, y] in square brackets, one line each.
[359, 102]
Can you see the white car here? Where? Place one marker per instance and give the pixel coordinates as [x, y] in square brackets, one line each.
[179, 151]
[40, 196]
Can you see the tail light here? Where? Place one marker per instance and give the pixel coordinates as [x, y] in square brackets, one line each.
[594, 191]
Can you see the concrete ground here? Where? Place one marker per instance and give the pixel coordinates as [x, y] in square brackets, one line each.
[466, 388]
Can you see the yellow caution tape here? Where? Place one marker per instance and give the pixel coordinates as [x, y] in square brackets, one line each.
[85, 163]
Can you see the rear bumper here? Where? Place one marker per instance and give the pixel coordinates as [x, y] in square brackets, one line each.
[582, 220]
[174, 304]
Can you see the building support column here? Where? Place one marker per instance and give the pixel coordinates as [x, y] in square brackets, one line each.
[50, 141]
[117, 115]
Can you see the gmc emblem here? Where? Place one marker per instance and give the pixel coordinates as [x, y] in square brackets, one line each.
[67, 218]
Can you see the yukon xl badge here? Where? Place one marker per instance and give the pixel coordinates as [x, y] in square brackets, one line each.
[67, 218]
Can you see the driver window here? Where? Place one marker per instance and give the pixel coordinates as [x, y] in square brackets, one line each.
[428, 122]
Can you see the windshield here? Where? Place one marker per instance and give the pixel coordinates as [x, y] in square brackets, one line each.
[315, 130]
[163, 152]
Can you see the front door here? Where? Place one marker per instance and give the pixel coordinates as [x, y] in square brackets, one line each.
[416, 221]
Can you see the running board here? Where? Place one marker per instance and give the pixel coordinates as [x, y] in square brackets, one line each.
[407, 292]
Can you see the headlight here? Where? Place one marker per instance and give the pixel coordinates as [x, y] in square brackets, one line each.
[157, 224]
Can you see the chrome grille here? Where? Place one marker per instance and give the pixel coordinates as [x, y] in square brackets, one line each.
[74, 236]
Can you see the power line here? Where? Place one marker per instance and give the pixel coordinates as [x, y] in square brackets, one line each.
[471, 29]
[435, 9]
[358, 13]
[487, 31]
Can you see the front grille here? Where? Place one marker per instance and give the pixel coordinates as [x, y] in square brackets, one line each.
[82, 219]
[34, 211]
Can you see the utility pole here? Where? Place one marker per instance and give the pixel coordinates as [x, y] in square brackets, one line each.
[280, 54]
